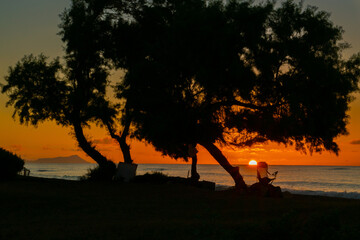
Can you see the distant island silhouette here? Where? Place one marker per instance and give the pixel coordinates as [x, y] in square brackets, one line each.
[69, 159]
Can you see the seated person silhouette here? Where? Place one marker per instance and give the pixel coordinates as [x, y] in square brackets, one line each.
[263, 174]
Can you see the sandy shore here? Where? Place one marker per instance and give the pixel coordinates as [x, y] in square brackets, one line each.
[35, 208]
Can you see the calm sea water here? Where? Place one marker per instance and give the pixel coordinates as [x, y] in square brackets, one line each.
[313, 180]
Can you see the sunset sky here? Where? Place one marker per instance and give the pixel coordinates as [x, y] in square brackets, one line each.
[31, 26]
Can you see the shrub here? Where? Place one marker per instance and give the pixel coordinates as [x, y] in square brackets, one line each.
[153, 177]
[10, 164]
[101, 173]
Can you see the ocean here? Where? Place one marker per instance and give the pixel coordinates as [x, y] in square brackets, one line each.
[333, 181]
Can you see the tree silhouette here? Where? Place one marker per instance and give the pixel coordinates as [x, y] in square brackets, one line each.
[74, 95]
[201, 72]
[85, 28]
[39, 93]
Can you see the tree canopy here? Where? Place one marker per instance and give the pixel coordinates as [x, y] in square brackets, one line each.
[71, 93]
[205, 72]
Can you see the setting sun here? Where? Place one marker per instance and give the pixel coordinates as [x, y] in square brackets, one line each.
[252, 163]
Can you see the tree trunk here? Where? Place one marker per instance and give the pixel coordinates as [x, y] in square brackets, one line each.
[194, 174]
[192, 153]
[221, 159]
[125, 148]
[87, 147]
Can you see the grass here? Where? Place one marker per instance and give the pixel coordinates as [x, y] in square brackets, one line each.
[33, 208]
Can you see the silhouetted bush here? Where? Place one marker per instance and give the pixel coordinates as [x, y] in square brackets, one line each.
[153, 177]
[101, 173]
[10, 164]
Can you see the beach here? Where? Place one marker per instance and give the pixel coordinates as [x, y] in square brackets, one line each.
[40, 208]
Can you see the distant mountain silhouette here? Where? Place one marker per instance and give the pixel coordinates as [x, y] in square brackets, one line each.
[69, 159]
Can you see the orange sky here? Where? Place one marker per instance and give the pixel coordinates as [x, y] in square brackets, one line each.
[31, 28]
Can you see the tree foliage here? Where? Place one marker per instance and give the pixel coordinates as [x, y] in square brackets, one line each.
[205, 72]
[73, 94]
[85, 29]
[27, 83]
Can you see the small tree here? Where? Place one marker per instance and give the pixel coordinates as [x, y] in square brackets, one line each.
[38, 93]
[73, 95]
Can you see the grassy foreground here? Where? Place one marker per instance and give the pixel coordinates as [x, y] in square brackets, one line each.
[34, 208]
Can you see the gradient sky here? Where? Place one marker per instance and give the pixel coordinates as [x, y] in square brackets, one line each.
[31, 26]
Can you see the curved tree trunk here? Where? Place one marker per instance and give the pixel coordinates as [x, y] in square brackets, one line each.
[221, 159]
[125, 148]
[87, 147]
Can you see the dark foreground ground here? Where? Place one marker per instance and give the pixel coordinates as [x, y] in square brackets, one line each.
[55, 209]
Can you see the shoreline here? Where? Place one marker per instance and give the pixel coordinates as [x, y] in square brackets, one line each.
[220, 187]
[188, 163]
